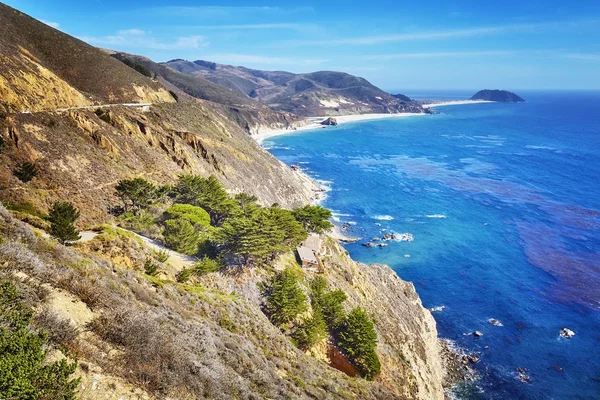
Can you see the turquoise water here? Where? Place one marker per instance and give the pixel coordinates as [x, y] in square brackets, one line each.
[503, 201]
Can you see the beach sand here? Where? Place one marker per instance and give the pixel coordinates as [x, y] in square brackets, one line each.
[455, 103]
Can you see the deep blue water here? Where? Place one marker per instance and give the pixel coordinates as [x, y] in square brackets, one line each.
[503, 201]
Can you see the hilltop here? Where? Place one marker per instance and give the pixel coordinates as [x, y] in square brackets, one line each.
[311, 94]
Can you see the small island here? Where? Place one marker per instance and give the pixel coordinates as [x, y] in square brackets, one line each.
[502, 96]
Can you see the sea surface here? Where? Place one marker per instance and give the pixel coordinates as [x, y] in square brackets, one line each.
[503, 201]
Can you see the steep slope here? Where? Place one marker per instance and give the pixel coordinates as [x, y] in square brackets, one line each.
[42, 68]
[246, 112]
[312, 94]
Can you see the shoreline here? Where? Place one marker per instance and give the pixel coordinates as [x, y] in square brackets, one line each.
[455, 103]
[315, 123]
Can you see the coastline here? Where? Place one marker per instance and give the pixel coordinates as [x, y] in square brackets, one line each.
[455, 103]
[315, 123]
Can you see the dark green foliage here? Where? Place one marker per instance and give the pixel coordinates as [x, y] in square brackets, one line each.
[2, 144]
[103, 115]
[357, 339]
[293, 231]
[207, 193]
[150, 267]
[196, 215]
[24, 372]
[161, 255]
[256, 239]
[246, 204]
[330, 303]
[285, 299]
[26, 171]
[174, 95]
[62, 217]
[313, 218]
[207, 265]
[136, 194]
[312, 331]
[181, 236]
[184, 275]
[137, 66]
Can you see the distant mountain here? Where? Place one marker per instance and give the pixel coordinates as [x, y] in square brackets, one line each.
[503, 96]
[317, 93]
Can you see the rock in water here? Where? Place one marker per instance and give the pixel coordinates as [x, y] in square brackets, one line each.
[495, 322]
[566, 333]
[503, 96]
[330, 121]
[477, 334]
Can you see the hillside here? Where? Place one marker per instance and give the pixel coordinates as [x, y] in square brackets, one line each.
[118, 311]
[312, 94]
[42, 68]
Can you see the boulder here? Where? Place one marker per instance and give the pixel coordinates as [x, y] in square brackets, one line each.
[329, 121]
[566, 333]
[477, 334]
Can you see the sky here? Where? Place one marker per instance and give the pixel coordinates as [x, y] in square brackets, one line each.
[397, 45]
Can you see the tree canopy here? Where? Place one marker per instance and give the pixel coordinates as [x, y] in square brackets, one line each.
[285, 300]
[181, 236]
[196, 215]
[207, 193]
[136, 194]
[357, 338]
[313, 218]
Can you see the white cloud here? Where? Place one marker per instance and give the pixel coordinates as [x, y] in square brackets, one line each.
[55, 25]
[234, 58]
[253, 26]
[439, 35]
[223, 11]
[444, 54]
[140, 39]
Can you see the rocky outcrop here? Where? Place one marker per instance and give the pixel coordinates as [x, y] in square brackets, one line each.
[329, 121]
[502, 96]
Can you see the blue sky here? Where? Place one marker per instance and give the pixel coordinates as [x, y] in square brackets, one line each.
[394, 44]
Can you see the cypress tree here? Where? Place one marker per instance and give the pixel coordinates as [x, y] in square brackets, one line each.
[357, 338]
[285, 299]
[181, 236]
[137, 193]
[312, 331]
[62, 218]
[313, 218]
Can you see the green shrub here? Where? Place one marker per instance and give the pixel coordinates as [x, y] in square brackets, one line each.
[24, 371]
[103, 115]
[139, 222]
[357, 339]
[150, 267]
[207, 265]
[26, 171]
[330, 303]
[184, 275]
[181, 236]
[161, 255]
[285, 300]
[62, 217]
[195, 215]
[207, 193]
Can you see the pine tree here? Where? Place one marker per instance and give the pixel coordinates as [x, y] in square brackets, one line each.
[293, 231]
[181, 236]
[62, 218]
[330, 303]
[26, 172]
[357, 338]
[313, 218]
[312, 331]
[286, 300]
[207, 193]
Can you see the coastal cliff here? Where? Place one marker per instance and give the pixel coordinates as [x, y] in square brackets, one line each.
[135, 333]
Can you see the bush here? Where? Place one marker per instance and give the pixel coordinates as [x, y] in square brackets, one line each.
[357, 338]
[24, 370]
[184, 275]
[207, 265]
[181, 236]
[62, 217]
[313, 218]
[285, 300]
[196, 215]
[174, 95]
[161, 256]
[150, 267]
[60, 330]
[103, 115]
[26, 171]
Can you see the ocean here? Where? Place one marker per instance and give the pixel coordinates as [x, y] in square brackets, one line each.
[503, 202]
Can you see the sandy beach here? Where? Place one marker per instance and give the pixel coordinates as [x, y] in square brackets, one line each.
[315, 123]
[455, 103]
